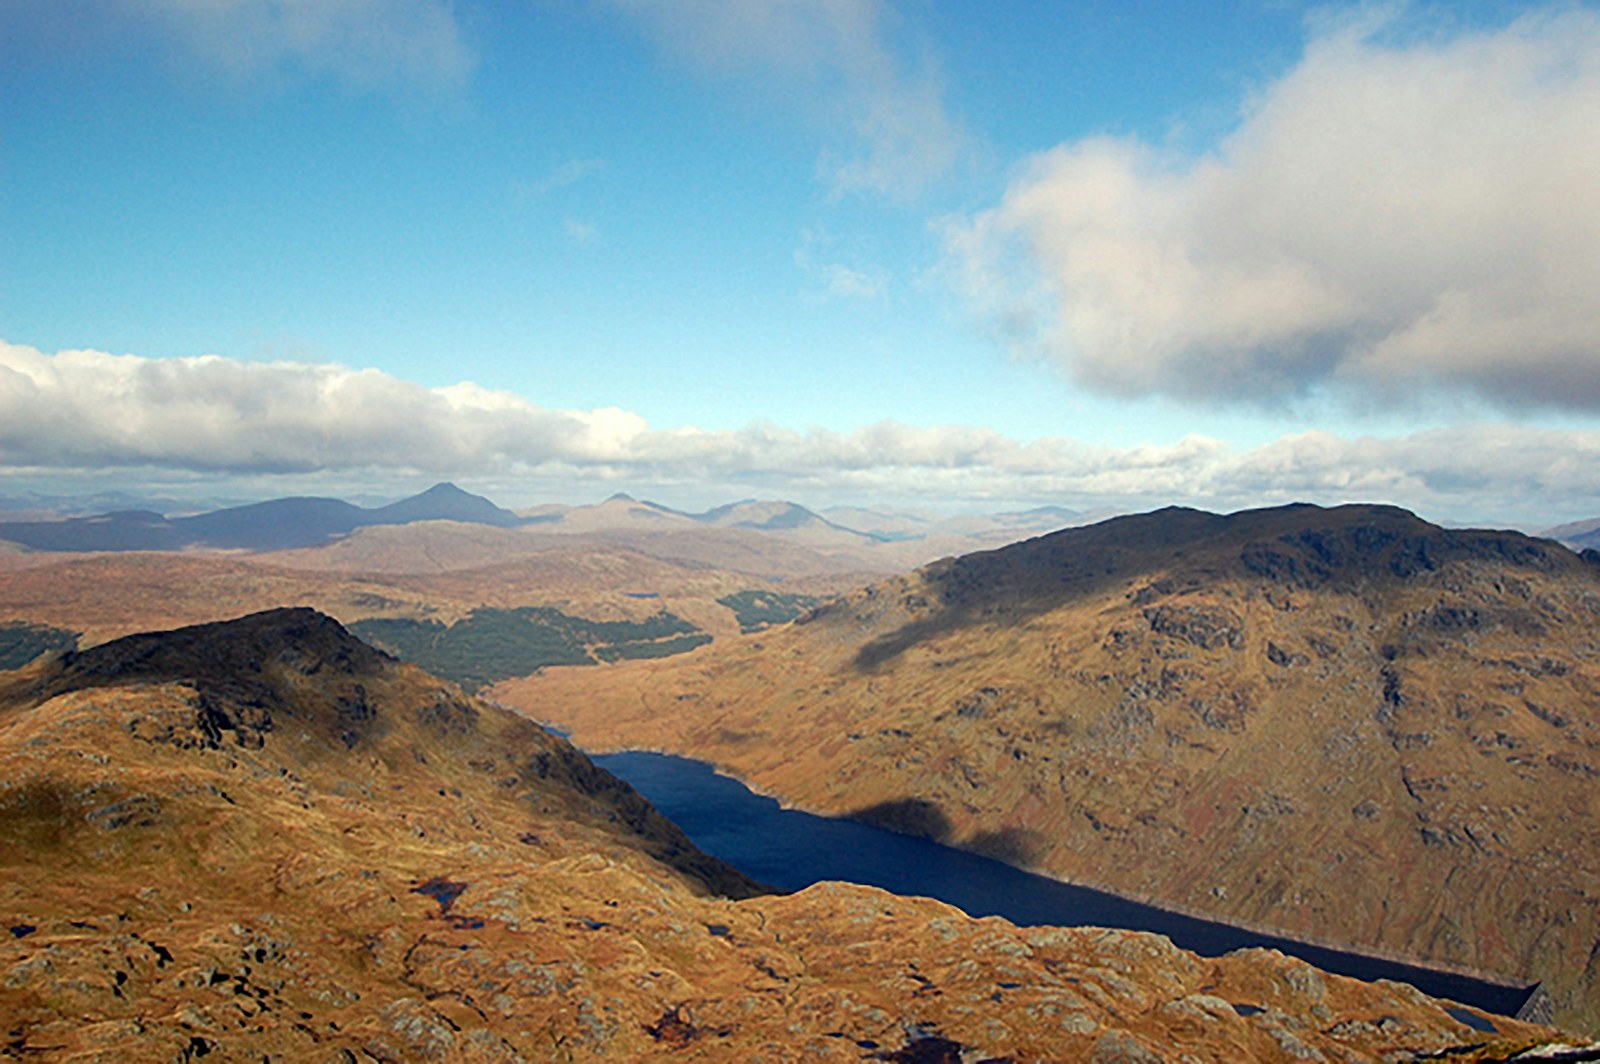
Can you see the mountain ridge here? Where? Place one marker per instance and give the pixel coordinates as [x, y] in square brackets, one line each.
[275, 524]
[306, 522]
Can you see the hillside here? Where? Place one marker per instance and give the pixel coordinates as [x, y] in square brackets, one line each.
[1579, 535]
[1345, 725]
[260, 839]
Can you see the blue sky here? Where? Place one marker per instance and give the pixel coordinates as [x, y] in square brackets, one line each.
[952, 255]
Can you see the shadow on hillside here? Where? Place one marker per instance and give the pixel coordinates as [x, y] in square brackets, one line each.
[908, 816]
[925, 820]
[1015, 583]
[882, 649]
[1179, 549]
[1021, 847]
[1008, 588]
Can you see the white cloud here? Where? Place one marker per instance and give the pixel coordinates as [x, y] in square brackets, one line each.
[888, 129]
[365, 43]
[1389, 220]
[86, 410]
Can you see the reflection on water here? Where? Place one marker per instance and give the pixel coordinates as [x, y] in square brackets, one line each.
[791, 850]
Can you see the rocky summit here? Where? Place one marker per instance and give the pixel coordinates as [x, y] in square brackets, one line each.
[1343, 725]
[262, 840]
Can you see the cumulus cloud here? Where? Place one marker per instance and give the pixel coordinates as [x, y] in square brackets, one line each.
[382, 44]
[88, 410]
[889, 129]
[1393, 217]
[210, 413]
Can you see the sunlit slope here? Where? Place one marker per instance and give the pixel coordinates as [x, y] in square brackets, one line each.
[263, 840]
[1345, 724]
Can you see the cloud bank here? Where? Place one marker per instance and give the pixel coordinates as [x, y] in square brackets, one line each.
[88, 410]
[1389, 219]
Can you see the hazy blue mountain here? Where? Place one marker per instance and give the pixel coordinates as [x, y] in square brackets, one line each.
[277, 524]
[274, 525]
[443, 502]
[122, 530]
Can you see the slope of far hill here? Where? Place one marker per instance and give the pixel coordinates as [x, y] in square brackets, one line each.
[261, 839]
[1344, 725]
[1579, 535]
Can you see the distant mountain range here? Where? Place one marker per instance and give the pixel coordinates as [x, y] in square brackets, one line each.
[303, 522]
[279, 524]
[835, 527]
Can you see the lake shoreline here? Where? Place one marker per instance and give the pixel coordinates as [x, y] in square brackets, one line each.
[1197, 932]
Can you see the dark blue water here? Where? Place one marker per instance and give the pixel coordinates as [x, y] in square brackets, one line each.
[790, 850]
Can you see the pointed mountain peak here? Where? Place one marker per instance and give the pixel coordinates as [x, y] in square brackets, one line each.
[446, 490]
[444, 502]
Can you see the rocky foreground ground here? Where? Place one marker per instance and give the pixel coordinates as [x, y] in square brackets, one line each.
[263, 840]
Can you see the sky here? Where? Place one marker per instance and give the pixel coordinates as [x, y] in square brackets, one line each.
[942, 256]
